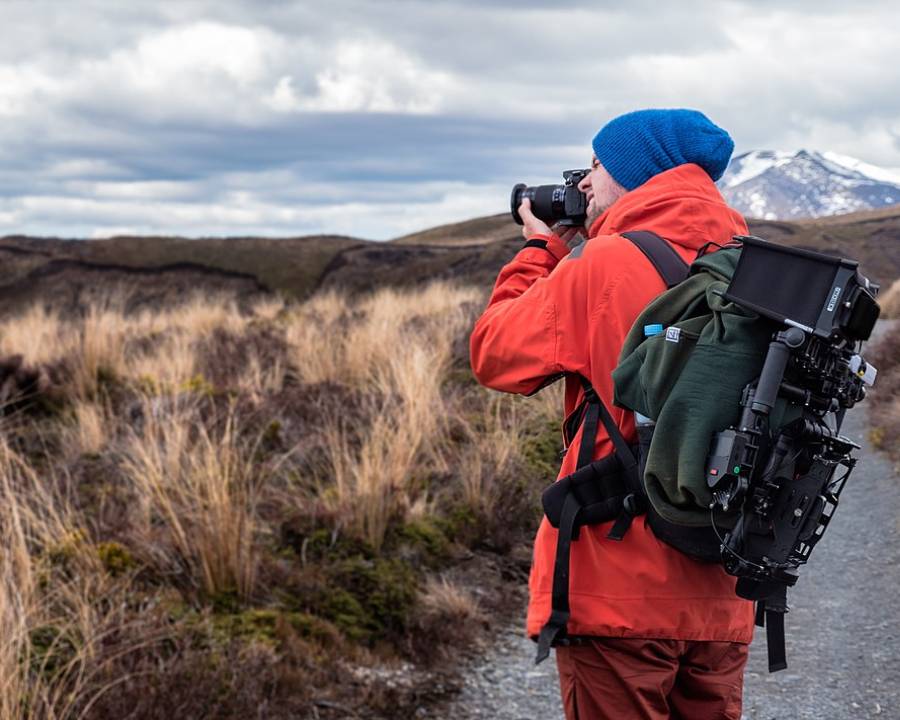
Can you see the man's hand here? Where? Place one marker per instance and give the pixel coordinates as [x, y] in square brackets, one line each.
[531, 225]
[571, 236]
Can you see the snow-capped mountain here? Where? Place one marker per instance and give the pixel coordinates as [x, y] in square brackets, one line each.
[777, 185]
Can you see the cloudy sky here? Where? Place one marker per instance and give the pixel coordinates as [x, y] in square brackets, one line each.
[375, 119]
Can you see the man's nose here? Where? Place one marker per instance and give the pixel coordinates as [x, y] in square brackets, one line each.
[584, 184]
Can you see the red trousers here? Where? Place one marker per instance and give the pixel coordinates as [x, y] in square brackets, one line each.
[637, 679]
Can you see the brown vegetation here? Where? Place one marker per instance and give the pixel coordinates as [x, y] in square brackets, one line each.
[291, 509]
[889, 300]
[885, 395]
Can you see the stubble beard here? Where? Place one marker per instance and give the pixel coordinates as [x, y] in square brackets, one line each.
[592, 214]
[595, 210]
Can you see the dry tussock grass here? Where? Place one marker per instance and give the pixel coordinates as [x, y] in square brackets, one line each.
[884, 397]
[398, 348]
[385, 428]
[451, 602]
[56, 609]
[37, 334]
[88, 431]
[889, 301]
[203, 488]
[368, 344]
[495, 441]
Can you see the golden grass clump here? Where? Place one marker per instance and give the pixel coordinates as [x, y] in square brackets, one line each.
[50, 584]
[398, 346]
[495, 440]
[269, 309]
[365, 344]
[201, 488]
[451, 602]
[889, 300]
[38, 334]
[89, 431]
[260, 379]
[99, 349]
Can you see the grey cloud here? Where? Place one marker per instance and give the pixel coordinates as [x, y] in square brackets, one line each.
[510, 91]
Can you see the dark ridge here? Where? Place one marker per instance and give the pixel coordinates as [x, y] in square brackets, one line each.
[59, 273]
[24, 251]
[54, 267]
[333, 266]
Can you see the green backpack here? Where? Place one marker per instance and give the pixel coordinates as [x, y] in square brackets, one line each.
[689, 380]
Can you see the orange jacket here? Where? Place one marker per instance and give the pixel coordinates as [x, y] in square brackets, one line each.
[553, 312]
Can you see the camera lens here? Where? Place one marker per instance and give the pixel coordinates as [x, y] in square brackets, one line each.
[516, 199]
[554, 204]
[548, 202]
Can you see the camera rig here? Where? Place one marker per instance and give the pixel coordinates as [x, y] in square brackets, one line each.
[785, 482]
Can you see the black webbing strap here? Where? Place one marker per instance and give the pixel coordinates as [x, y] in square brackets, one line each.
[760, 613]
[589, 435]
[770, 614]
[538, 243]
[595, 412]
[590, 424]
[559, 614]
[667, 262]
[632, 505]
[775, 641]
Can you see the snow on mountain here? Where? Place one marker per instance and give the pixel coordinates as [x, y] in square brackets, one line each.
[749, 165]
[873, 171]
[777, 185]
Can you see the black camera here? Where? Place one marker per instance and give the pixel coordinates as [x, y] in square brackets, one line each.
[562, 204]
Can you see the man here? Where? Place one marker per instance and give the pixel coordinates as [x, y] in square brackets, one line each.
[660, 634]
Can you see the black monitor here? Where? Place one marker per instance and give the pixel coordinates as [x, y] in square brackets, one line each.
[819, 293]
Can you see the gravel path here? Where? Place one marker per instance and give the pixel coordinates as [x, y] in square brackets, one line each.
[842, 632]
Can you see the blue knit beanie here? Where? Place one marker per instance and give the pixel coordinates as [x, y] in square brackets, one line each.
[636, 146]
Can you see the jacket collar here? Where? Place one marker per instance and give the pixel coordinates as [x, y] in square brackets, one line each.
[682, 205]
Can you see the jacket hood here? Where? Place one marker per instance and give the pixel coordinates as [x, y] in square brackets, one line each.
[683, 205]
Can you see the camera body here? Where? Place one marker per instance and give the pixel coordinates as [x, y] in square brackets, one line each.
[563, 205]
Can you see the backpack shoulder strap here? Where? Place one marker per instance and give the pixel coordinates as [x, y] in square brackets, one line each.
[667, 262]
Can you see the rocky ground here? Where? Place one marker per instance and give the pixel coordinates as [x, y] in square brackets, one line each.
[843, 630]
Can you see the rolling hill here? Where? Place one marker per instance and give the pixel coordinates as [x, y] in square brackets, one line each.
[158, 270]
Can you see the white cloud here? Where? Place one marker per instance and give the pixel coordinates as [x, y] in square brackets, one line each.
[212, 72]
[76, 167]
[247, 204]
[21, 86]
[201, 71]
[367, 76]
[377, 77]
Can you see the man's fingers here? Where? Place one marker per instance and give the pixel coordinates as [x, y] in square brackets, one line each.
[525, 210]
[531, 225]
[568, 235]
